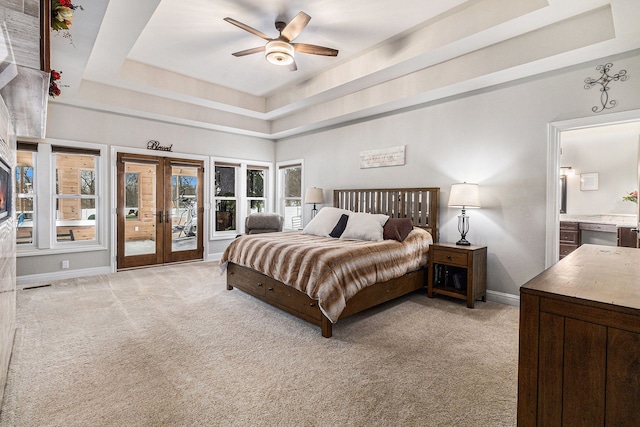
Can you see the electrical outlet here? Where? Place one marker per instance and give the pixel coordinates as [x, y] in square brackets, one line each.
[135, 228]
[65, 263]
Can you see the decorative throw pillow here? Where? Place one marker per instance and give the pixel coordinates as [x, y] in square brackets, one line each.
[324, 221]
[364, 226]
[397, 229]
[340, 226]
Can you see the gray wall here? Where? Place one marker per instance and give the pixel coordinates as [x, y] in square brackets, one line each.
[613, 154]
[77, 124]
[496, 138]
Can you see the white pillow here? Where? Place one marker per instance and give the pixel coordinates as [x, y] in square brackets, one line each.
[324, 221]
[365, 226]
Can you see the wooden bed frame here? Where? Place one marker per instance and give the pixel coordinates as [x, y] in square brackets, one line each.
[418, 204]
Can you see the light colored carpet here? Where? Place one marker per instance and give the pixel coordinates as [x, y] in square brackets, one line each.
[170, 346]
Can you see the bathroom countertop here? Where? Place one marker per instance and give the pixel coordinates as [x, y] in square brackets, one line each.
[618, 220]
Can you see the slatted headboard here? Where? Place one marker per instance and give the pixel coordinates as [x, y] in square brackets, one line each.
[418, 204]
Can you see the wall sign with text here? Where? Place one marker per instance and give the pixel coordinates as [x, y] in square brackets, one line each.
[392, 156]
[155, 145]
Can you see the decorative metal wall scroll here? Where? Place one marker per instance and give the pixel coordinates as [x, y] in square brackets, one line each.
[604, 81]
[155, 145]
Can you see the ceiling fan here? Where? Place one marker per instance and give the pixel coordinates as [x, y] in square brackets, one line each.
[280, 51]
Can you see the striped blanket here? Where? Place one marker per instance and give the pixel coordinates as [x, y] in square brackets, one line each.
[328, 270]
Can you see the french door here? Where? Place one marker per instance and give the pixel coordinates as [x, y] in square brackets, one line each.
[160, 210]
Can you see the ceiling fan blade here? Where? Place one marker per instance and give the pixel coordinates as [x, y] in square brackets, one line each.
[247, 28]
[314, 50]
[293, 66]
[295, 26]
[249, 51]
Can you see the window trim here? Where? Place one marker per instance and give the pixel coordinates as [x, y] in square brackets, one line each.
[241, 198]
[56, 197]
[32, 148]
[280, 187]
[45, 242]
[265, 198]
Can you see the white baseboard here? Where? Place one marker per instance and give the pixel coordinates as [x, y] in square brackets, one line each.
[60, 275]
[214, 257]
[503, 298]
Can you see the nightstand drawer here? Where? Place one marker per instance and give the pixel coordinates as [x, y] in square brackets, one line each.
[450, 258]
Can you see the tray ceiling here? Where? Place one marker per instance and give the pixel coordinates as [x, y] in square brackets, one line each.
[171, 60]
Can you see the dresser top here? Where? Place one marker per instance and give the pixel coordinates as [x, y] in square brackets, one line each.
[601, 274]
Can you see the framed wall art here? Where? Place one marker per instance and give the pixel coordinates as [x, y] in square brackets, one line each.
[589, 181]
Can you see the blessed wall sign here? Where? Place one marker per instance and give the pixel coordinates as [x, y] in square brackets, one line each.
[155, 145]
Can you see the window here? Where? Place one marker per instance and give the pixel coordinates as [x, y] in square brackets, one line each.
[225, 197]
[76, 193]
[239, 189]
[256, 189]
[290, 194]
[25, 192]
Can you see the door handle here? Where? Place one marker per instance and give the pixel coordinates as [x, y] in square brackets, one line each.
[160, 217]
[167, 217]
[635, 230]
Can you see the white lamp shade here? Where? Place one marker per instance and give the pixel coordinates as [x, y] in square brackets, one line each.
[464, 196]
[314, 195]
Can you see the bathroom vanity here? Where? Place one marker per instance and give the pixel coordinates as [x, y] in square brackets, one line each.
[607, 230]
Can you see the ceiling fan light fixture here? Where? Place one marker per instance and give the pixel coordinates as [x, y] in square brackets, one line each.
[279, 52]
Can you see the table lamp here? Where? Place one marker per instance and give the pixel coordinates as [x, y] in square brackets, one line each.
[464, 196]
[314, 195]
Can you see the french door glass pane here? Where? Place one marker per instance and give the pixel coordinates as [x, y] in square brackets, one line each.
[140, 232]
[184, 214]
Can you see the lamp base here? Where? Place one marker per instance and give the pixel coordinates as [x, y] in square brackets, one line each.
[463, 242]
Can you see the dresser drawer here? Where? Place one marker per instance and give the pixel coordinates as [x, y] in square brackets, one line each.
[449, 257]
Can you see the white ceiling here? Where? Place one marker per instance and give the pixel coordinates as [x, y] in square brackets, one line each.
[171, 60]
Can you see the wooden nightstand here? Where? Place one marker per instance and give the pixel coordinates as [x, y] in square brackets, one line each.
[458, 271]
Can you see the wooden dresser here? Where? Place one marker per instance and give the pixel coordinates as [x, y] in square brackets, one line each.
[579, 356]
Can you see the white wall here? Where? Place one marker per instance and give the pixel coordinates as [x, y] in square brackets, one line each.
[612, 152]
[77, 124]
[496, 138]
